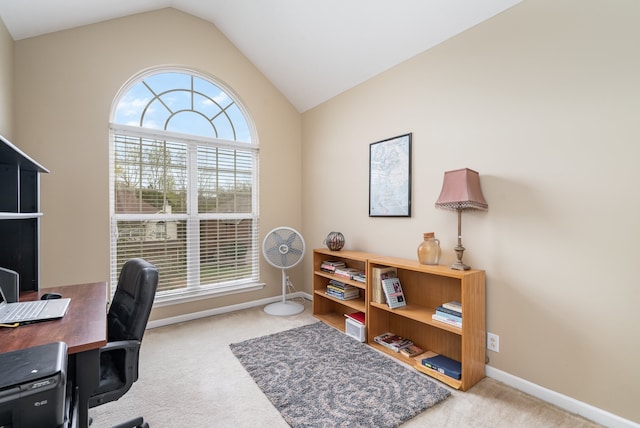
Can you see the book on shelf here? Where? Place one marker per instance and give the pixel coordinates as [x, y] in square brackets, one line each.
[411, 351]
[448, 311]
[446, 320]
[453, 305]
[360, 277]
[348, 289]
[393, 341]
[378, 274]
[342, 294]
[342, 285]
[330, 266]
[346, 272]
[393, 292]
[445, 365]
[357, 317]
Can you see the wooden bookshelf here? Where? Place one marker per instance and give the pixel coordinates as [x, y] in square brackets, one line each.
[329, 309]
[425, 288]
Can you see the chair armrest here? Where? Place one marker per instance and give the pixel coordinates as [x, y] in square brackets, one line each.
[121, 344]
[119, 358]
[131, 349]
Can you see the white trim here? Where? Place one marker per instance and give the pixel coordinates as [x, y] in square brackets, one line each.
[562, 401]
[217, 311]
[193, 294]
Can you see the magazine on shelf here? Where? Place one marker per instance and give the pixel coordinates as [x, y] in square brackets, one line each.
[393, 341]
[393, 292]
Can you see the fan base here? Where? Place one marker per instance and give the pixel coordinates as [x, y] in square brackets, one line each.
[284, 308]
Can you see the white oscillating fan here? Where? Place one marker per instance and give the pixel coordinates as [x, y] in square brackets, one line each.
[283, 248]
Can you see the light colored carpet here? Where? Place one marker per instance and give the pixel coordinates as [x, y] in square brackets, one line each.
[190, 378]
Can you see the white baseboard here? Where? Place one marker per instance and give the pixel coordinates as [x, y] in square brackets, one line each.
[217, 311]
[564, 402]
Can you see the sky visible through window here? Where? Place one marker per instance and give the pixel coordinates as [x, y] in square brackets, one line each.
[183, 103]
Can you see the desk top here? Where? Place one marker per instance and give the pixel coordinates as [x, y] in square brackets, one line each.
[83, 328]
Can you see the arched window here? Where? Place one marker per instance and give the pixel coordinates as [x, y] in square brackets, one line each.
[184, 184]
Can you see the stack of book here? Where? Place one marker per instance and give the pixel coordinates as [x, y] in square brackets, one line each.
[360, 277]
[444, 365]
[342, 291]
[347, 272]
[449, 313]
[393, 341]
[330, 266]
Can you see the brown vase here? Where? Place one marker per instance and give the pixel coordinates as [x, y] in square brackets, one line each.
[334, 241]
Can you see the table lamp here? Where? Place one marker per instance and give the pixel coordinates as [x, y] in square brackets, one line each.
[461, 191]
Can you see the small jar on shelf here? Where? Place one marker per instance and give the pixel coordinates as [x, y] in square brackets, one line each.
[429, 250]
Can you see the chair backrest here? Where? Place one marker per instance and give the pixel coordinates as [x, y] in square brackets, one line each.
[132, 302]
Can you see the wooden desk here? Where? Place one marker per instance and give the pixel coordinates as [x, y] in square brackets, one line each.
[83, 329]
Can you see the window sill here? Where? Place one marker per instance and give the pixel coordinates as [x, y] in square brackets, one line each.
[204, 293]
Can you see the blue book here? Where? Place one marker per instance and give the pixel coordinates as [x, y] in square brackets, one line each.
[449, 311]
[444, 365]
[447, 315]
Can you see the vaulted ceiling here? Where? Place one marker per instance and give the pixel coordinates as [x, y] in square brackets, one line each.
[311, 50]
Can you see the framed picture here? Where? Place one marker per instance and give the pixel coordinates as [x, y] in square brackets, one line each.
[390, 177]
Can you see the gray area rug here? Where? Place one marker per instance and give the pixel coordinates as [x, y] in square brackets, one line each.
[317, 376]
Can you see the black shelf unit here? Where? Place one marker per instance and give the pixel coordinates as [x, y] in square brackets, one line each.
[20, 214]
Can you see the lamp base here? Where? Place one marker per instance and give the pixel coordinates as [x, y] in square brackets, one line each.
[460, 266]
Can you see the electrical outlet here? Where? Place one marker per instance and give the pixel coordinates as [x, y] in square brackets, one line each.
[493, 342]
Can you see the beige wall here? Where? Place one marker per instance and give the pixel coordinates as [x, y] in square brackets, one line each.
[67, 82]
[6, 82]
[543, 101]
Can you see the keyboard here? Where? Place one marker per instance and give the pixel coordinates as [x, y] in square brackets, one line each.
[24, 310]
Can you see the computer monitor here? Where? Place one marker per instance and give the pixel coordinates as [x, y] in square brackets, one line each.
[33, 387]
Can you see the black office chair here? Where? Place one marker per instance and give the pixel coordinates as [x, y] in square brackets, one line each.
[126, 322]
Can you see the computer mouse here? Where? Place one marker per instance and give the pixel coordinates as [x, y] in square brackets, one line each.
[49, 296]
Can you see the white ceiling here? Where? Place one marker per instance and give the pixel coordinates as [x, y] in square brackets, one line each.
[312, 50]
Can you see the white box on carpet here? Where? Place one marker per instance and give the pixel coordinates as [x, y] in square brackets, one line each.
[355, 329]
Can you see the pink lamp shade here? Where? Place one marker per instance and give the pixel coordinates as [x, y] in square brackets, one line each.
[461, 190]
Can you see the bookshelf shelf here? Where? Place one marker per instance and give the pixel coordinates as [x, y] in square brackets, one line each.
[345, 280]
[417, 313]
[425, 288]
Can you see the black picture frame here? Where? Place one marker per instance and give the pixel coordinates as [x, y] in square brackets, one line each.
[390, 177]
